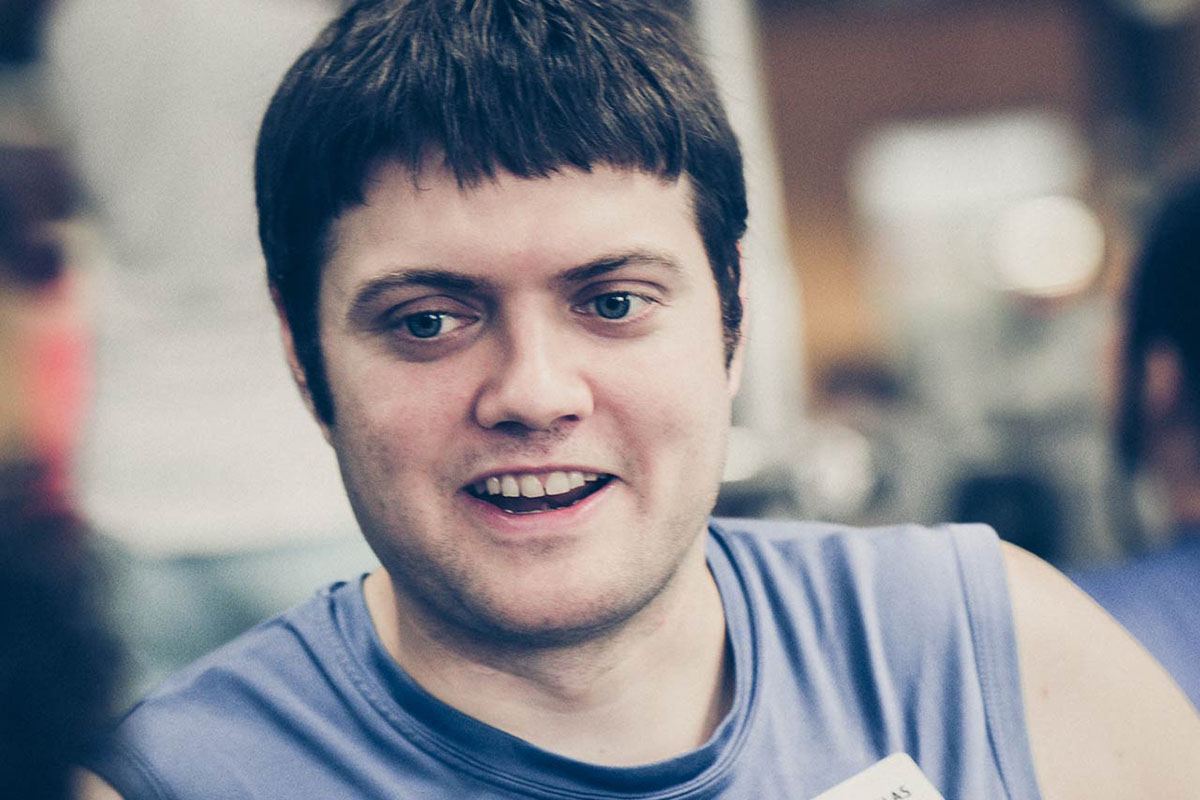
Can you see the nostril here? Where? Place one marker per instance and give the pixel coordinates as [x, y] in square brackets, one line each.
[512, 427]
[558, 429]
[534, 394]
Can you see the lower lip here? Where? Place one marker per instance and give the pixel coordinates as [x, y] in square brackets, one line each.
[547, 521]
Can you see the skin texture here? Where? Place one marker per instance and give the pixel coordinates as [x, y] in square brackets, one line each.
[526, 375]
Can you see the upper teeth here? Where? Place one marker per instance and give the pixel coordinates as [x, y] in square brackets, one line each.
[528, 484]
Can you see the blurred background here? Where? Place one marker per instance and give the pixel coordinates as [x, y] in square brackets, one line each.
[945, 200]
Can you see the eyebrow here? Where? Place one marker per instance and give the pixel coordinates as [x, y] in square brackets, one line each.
[611, 263]
[444, 280]
[456, 282]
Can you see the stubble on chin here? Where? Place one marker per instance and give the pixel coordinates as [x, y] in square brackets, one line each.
[464, 609]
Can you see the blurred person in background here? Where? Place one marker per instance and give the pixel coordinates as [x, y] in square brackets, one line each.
[57, 661]
[46, 369]
[47, 366]
[1156, 594]
[503, 240]
[204, 478]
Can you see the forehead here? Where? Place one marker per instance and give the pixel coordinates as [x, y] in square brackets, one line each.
[429, 220]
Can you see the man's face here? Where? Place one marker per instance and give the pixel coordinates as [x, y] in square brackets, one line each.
[557, 339]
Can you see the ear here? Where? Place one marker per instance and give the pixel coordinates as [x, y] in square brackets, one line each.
[289, 347]
[738, 362]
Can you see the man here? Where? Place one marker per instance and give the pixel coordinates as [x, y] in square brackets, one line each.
[1155, 594]
[503, 238]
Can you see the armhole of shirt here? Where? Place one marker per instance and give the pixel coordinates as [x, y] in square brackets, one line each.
[993, 634]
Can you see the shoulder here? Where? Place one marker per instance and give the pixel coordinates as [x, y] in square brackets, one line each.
[914, 622]
[234, 706]
[1104, 719]
[914, 590]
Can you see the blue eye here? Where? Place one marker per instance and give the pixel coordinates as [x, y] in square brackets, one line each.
[614, 305]
[425, 325]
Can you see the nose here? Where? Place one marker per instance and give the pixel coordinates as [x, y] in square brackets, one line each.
[536, 382]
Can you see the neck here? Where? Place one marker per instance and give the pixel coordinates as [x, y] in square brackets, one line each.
[653, 689]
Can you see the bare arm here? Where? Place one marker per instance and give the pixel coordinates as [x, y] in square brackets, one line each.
[1105, 720]
[90, 786]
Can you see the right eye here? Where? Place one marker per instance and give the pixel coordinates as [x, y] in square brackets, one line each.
[430, 324]
[426, 324]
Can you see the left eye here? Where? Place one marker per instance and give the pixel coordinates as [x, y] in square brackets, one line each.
[614, 305]
[430, 324]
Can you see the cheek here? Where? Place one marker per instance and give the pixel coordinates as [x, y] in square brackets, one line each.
[392, 424]
[674, 429]
[381, 393]
[677, 399]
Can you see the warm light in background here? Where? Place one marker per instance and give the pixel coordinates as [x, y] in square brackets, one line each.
[1049, 246]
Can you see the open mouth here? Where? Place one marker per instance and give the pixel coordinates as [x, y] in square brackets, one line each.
[536, 492]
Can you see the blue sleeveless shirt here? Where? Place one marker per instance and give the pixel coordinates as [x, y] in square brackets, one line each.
[848, 645]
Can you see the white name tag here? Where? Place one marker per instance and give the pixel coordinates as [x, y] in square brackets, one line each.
[896, 777]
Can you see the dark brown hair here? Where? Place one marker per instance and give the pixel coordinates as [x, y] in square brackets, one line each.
[520, 86]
